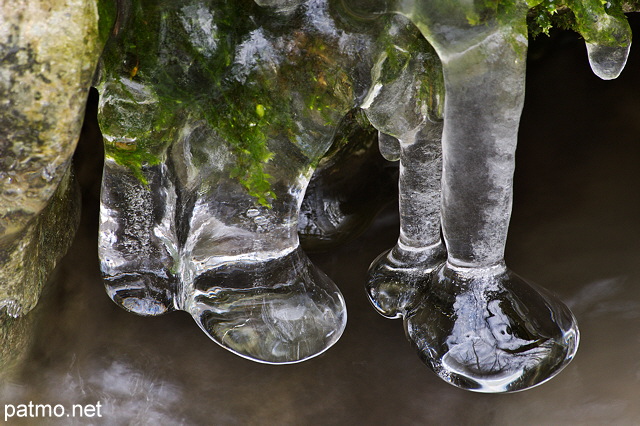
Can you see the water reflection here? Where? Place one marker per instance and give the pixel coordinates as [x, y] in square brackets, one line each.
[483, 342]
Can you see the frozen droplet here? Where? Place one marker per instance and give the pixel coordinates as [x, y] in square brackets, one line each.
[607, 62]
[492, 332]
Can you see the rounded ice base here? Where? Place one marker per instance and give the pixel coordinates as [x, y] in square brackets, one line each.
[142, 293]
[399, 277]
[280, 311]
[488, 330]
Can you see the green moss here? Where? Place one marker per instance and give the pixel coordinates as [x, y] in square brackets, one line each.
[547, 15]
[601, 23]
[107, 12]
[247, 111]
[597, 21]
[399, 49]
[153, 50]
[134, 160]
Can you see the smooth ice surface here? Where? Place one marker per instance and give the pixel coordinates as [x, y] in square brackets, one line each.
[607, 62]
[389, 147]
[407, 112]
[398, 277]
[216, 180]
[277, 311]
[212, 131]
[490, 331]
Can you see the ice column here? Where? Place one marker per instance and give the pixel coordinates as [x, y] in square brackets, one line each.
[404, 105]
[480, 327]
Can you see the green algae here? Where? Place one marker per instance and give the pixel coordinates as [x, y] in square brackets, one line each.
[596, 21]
[153, 57]
[147, 48]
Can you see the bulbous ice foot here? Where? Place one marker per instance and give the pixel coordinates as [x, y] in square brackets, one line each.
[136, 240]
[142, 293]
[488, 330]
[279, 311]
[399, 277]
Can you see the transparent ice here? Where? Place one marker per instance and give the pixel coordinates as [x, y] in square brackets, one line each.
[607, 37]
[210, 144]
[214, 119]
[407, 112]
[472, 321]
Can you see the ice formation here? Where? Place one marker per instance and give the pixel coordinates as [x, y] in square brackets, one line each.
[207, 164]
[214, 117]
[472, 321]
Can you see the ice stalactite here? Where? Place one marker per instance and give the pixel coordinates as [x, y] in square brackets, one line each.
[404, 104]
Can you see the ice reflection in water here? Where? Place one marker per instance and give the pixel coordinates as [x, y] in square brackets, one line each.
[483, 342]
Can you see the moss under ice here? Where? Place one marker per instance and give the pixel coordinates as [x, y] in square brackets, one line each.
[154, 51]
[151, 49]
[582, 16]
[140, 54]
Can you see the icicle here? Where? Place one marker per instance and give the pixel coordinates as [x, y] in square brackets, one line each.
[398, 106]
[479, 326]
[607, 62]
[607, 36]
